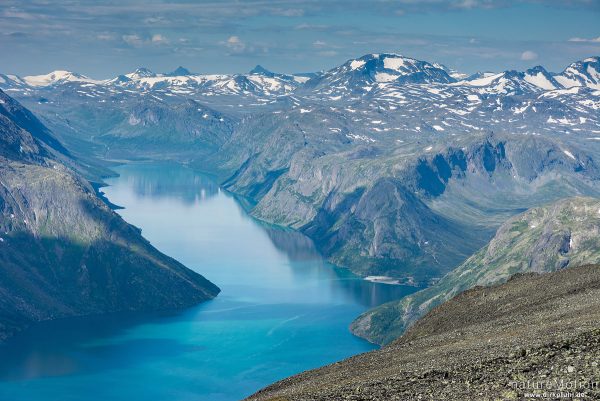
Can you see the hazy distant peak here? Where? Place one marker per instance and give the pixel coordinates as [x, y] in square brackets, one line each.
[141, 72]
[179, 72]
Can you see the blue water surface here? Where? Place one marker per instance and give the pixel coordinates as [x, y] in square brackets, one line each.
[282, 309]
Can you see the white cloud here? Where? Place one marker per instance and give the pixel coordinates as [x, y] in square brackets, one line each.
[234, 40]
[529, 55]
[156, 20]
[159, 39]
[235, 44]
[105, 36]
[592, 40]
[133, 40]
[18, 14]
[288, 12]
[319, 43]
[136, 40]
[313, 27]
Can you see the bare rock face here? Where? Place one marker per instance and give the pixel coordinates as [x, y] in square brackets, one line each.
[388, 230]
[63, 252]
[540, 240]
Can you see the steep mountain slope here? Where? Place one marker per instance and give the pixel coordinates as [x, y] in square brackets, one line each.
[63, 252]
[411, 207]
[534, 334]
[543, 239]
[130, 125]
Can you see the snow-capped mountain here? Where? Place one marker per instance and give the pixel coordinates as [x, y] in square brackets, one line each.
[8, 81]
[181, 82]
[512, 82]
[581, 73]
[359, 75]
[140, 73]
[453, 73]
[296, 78]
[53, 78]
[541, 78]
[257, 83]
[379, 93]
[355, 77]
[179, 71]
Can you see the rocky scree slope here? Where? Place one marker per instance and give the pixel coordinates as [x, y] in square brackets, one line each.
[484, 344]
[63, 252]
[544, 239]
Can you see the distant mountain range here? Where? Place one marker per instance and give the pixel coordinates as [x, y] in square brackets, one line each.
[258, 82]
[394, 166]
[352, 76]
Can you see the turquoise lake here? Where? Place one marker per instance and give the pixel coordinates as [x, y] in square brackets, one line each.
[282, 309]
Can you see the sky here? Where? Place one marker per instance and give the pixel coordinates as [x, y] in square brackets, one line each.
[102, 39]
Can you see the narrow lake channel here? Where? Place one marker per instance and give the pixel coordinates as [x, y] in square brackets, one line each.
[282, 309]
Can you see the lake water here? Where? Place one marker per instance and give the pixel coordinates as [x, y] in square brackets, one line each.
[282, 309]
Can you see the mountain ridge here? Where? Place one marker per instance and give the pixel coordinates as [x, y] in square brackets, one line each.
[391, 67]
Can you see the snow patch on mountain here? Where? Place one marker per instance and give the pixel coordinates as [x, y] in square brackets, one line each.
[356, 64]
[55, 77]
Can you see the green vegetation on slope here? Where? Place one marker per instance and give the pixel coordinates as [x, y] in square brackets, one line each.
[543, 239]
[63, 252]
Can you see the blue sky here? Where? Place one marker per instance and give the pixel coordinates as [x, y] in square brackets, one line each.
[105, 38]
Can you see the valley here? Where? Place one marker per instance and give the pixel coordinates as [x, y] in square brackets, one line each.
[384, 166]
[393, 166]
[282, 308]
